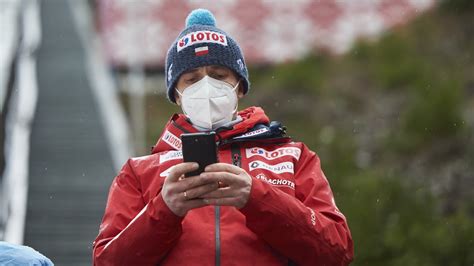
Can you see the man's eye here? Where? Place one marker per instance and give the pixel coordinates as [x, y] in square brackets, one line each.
[220, 76]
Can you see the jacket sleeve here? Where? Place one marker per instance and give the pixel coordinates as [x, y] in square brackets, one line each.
[133, 232]
[308, 228]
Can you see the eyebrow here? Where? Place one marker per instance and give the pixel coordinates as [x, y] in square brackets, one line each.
[216, 67]
[190, 71]
[213, 67]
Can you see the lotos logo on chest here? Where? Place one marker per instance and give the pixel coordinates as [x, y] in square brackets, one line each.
[271, 155]
[201, 37]
[285, 167]
[172, 140]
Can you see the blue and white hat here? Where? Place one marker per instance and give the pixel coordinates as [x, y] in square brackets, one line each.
[201, 43]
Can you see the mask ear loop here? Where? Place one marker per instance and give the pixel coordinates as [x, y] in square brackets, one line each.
[237, 103]
[236, 85]
[180, 94]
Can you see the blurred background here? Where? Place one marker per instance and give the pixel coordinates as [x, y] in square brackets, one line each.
[382, 90]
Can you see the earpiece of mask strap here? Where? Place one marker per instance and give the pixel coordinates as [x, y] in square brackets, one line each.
[237, 104]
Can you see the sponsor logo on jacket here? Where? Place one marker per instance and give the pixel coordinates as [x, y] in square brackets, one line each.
[172, 140]
[203, 36]
[313, 216]
[171, 155]
[254, 133]
[285, 167]
[271, 155]
[166, 172]
[276, 182]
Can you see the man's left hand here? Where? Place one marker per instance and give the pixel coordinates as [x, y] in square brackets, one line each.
[235, 185]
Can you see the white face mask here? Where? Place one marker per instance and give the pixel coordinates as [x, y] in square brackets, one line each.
[209, 103]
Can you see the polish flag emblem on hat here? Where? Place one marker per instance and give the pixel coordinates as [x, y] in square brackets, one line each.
[204, 50]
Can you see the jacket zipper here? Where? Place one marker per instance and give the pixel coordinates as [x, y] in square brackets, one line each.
[217, 216]
[236, 156]
[236, 160]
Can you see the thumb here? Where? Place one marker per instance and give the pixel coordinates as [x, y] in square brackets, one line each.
[180, 169]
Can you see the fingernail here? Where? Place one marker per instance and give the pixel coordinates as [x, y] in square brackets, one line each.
[206, 201]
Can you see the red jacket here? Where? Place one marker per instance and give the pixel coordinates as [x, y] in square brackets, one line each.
[290, 216]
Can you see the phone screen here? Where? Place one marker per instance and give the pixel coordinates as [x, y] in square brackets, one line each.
[200, 148]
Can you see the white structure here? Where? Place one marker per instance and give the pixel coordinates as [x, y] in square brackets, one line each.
[268, 31]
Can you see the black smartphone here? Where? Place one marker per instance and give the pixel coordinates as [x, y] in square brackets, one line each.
[200, 148]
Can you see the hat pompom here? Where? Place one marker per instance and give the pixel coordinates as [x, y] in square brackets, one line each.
[200, 17]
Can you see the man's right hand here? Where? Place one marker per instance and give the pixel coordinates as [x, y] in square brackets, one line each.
[182, 194]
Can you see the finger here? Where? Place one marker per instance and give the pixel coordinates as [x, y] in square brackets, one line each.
[197, 192]
[232, 201]
[226, 192]
[223, 177]
[195, 181]
[223, 167]
[180, 169]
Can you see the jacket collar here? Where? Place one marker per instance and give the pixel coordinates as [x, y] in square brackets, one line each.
[179, 124]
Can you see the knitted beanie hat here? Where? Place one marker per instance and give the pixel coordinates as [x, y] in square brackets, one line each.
[201, 43]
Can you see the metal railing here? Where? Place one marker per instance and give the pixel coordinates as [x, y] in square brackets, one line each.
[18, 96]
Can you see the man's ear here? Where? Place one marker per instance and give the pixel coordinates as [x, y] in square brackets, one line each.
[240, 92]
[177, 98]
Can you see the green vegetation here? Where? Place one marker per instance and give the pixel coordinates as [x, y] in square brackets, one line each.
[393, 124]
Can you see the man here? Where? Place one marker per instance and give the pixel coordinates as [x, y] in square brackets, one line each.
[266, 202]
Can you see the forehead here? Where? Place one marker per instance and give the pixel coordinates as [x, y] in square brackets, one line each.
[209, 68]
